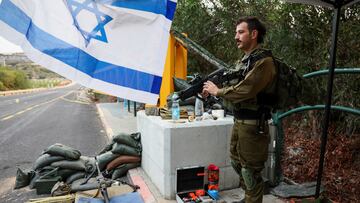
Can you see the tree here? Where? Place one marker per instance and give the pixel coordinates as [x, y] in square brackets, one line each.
[300, 34]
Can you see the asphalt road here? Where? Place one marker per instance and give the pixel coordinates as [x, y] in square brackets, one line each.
[31, 122]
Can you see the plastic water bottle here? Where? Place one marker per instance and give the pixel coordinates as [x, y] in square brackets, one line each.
[199, 107]
[175, 108]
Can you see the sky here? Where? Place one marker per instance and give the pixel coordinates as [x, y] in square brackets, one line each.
[7, 47]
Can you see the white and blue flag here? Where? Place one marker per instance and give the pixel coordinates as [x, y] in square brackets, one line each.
[115, 46]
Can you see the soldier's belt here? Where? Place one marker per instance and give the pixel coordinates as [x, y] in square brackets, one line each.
[247, 114]
[250, 122]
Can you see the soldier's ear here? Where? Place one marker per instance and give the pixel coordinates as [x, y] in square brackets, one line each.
[254, 34]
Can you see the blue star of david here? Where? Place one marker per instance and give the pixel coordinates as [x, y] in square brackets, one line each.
[98, 32]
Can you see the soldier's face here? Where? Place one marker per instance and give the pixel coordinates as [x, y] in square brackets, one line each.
[243, 37]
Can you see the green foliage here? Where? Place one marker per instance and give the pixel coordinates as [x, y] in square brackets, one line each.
[299, 34]
[34, 71]
[12, 79]
[2, 86]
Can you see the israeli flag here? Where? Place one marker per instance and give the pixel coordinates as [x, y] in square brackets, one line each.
[115, 46]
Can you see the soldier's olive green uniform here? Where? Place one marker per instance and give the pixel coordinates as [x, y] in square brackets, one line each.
[248, 149]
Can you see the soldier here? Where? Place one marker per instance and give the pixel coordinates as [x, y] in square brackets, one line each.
[250, 138]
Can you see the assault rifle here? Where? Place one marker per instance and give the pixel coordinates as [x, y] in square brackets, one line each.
[222, 73]
[217, 77]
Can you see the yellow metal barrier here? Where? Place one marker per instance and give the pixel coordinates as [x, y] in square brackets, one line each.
[175, 66]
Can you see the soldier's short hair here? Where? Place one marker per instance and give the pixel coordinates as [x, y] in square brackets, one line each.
[254, 24]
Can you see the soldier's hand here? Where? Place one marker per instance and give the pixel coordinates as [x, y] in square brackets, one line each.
[204, 94]
[210, 87]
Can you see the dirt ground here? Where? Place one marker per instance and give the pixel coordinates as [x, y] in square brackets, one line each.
[341, 176]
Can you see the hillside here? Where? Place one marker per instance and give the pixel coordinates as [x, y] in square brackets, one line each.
[19, 61]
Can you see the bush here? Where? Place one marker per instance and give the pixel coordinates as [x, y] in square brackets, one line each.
[12, 79]
[2, 87]
[21, 81]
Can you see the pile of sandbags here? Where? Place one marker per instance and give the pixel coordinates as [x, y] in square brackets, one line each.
[62, 163]
[57, 163]
[122, 154]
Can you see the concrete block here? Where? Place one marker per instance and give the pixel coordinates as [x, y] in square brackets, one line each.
[154, 171]
[229, 179]
[168, 146]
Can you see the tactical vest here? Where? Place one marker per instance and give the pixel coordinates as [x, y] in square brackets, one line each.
[252, 109]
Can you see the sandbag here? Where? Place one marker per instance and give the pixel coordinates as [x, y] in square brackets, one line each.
[122, 170]
[23, 178]
[65, 173]
[132, 140]
[104, 159]
[45, 160]
[90, 163]
[64, 151]
[124, 159]
[73, 165]
[125, 150]
[75, 176]
[107, 148]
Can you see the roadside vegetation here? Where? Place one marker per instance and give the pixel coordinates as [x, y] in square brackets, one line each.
[301, 36]
[12, 79]
[46, 83]
[25, 76]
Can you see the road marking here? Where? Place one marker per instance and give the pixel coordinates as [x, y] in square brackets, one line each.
[75, 101]
[7, 117]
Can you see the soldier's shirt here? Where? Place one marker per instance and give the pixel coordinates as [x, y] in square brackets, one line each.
[259, 78]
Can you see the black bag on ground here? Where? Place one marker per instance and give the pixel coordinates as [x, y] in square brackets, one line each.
[64, 151]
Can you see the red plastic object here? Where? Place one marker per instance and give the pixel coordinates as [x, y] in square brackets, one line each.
[213, 177]
[200, 193]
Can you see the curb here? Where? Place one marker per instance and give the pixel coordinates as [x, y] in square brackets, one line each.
[15, 92]
[136, 179]
[109, 132]
[25, 91]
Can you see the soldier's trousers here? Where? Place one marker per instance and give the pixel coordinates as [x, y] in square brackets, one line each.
[249, 151]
